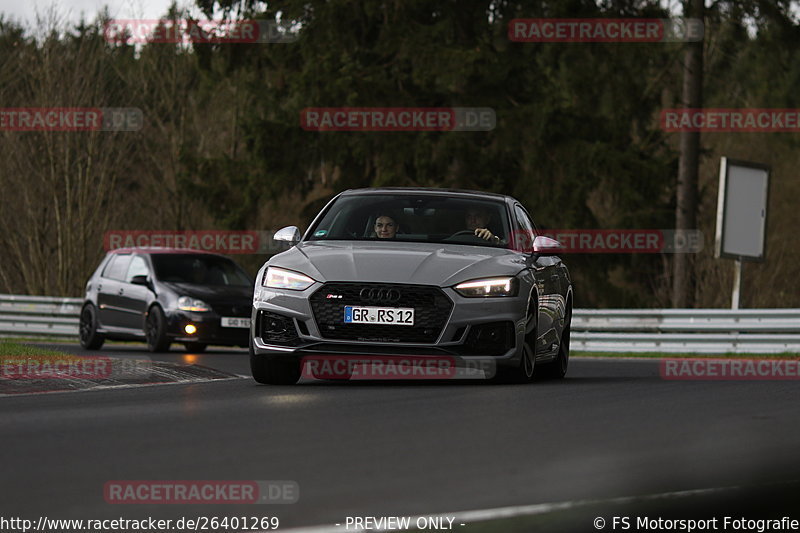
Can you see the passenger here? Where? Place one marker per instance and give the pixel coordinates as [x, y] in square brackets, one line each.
[386, 227]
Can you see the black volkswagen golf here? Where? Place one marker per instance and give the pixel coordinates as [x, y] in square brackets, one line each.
[163, 296]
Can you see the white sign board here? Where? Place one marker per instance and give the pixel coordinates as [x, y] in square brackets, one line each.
[742, 210]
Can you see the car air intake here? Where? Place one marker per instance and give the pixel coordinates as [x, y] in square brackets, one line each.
[301, 325]
[276, 329]
[458, 334]
[493, 338]
[431, 310]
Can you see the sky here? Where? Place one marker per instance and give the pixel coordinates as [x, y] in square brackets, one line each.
[25, 10]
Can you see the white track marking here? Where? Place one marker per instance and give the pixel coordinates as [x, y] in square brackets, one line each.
[482, 515]
[123, 386]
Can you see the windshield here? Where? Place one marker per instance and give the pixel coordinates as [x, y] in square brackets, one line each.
[414, 218]
[199, 269]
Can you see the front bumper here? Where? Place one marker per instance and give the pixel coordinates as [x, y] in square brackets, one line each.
[456, 340]
[209, 329]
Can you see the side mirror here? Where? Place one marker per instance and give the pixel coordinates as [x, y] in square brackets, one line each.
[546, 246]
[141, 279]
[288, 234]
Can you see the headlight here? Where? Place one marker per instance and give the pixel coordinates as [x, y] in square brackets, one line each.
[482, 288]
[278, 278]
[187, 303]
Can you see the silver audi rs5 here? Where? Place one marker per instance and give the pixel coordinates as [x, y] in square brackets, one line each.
[412, 272]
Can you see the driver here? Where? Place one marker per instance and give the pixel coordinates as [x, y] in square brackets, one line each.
[199, 272]
[386, 227]
[476, 219]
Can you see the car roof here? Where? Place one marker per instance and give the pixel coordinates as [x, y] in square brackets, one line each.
[152, 251]
[427, 190]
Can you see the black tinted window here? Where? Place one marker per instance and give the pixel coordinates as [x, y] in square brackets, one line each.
[413, 218]
[199, 269]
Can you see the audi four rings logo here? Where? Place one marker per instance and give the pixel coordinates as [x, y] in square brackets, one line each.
[379, 295]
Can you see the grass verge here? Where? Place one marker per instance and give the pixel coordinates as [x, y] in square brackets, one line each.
[16, 349]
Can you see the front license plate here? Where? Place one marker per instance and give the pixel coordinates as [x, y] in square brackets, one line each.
[391, 316]
[235, 322]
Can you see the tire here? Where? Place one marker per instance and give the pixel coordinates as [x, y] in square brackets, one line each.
[526, 371]
[198, 347]
[274, 370]
[155, 330]
[87, 329]
[558, 368]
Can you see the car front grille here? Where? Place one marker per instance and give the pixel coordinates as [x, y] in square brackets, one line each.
[431, 310]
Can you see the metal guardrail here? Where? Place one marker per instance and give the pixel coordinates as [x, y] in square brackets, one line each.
[593, 330]
[34, 316]
[686, 330]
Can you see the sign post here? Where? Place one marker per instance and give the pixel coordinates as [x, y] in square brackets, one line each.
[738, 266]
[741, 216]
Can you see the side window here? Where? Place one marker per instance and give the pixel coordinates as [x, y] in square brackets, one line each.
[525, 234]
[138, 267]
[117, 267]
[107, 269]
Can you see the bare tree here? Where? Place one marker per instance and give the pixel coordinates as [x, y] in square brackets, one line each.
[59, 184]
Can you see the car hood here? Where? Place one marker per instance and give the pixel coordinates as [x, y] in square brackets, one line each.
[212, 293]
[395, 262]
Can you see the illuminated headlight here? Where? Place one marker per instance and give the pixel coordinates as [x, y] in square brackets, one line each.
[278, 278]
[187, 303]
[483, 288]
